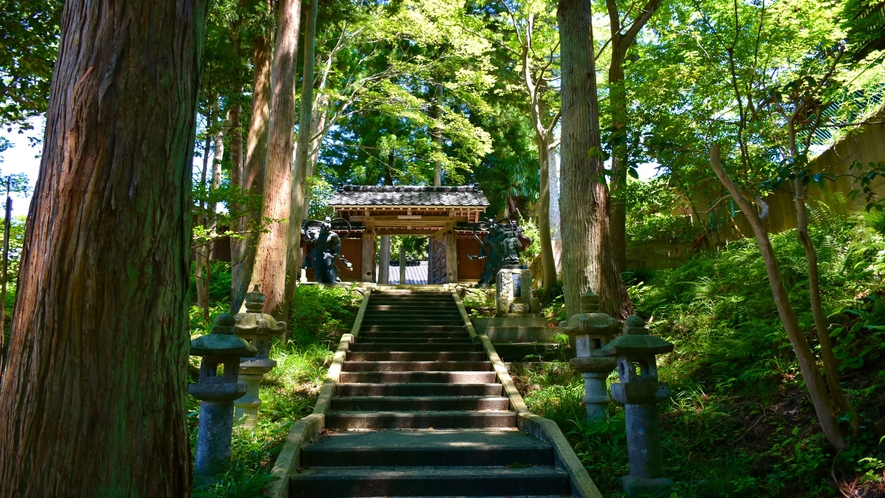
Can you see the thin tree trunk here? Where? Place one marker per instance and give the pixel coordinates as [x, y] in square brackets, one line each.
[252, 179]
[820, 321]
[269, 270]
[201, 253]
[7, 228]
[620, 44]
[548, 265]
[93, 400]
[618, 106]
[300, 194]
[823, 404]
[236, 178]
[211, 215]
[580, 137]
[236, 149]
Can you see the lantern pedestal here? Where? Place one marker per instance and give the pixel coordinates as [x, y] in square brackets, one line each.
[217, 388]
[513, 291]
[640, 392]
[257, 329]
[589, 331]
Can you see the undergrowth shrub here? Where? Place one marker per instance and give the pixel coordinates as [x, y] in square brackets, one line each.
[739, 421]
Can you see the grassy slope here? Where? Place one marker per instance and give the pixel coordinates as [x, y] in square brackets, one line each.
[739, 421]
[288, 393]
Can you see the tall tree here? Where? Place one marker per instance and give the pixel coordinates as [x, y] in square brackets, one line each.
[269, 269]
[30, 43]
[537, 55]
[588, 262]
[251, 179]
[778, 87]
[624, 28]
[581, 197]
[95, 388]
[300, 195]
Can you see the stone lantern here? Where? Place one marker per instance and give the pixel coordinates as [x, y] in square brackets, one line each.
[217, 389]
[640, 392]
[256, 328]
[589, 332]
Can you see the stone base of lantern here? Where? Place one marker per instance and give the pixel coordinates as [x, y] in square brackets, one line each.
[251, 373]
[595, 371]
[646, 486]
[513, 291]
[596, 396]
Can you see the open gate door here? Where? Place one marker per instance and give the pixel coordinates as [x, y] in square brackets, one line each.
[436, 267]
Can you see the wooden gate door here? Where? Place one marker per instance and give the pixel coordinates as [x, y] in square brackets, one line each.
[436, 266]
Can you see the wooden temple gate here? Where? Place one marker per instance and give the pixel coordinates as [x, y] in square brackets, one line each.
[446, 215]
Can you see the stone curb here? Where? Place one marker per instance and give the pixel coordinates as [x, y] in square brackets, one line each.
[543, 428]
[305, 429]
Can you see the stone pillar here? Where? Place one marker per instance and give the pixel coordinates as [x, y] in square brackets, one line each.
[367, 271]
[216, 393]
[513, 291]
[451, 254]
[589, 332]
[639, 392]
[256, 328]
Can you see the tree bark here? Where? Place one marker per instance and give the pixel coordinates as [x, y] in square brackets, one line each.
[823, 405]
[300, 194]
[580, 167]
[548, 264]
[269, 270]
[236, 148]
[618, 106]
[93, 400]
[252, 179]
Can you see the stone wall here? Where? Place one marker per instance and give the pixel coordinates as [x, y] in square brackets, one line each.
[866, 145]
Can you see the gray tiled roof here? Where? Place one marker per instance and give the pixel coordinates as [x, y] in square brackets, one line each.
[366, 195]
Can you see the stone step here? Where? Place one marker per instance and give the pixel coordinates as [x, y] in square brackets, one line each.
[414, 346]
[415, 334]
[409, 304]
[412, 321]
[416, 355]
[416, 366]
[429, 481]
[422, 377]
[399, 301]
[418, 389]
[411, 328]
[392, 338]
[455, 419]
[415, 403]
[455, 447]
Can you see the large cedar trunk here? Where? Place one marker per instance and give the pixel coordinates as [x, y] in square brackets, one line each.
[588, 259]
[580, 134]
[269, 270]
[300, 193]
[93, 400]
[252, 178]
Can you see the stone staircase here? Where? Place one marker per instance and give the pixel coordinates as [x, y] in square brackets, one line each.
[419, 411]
